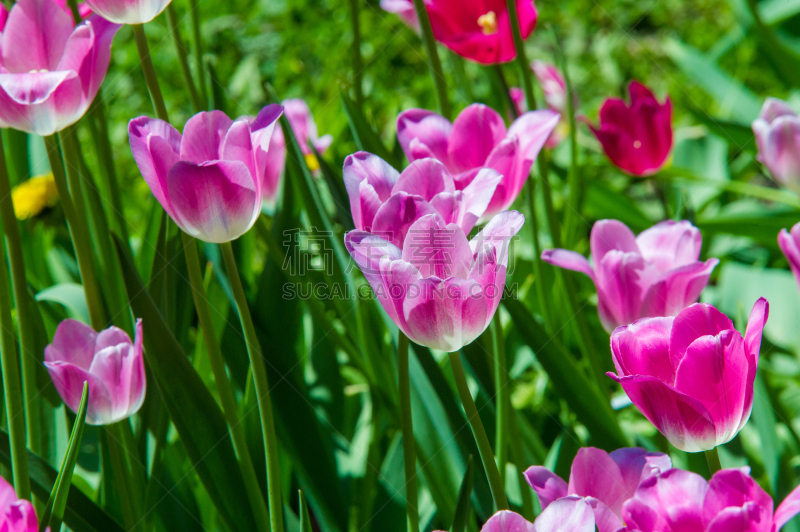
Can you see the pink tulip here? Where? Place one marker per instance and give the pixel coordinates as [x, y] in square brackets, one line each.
[554, 87]
[636, 137]
[50, 69]
[111, 364]
[209, 181]
[692, 375]
[777, 131]
[404, 9]
[128, 11]
[478, 139]
[570, 514]
[605, 480]
[790, 245]
[440, 289]
[681, 501]
[654, 274]
[480, 31]
[16, 515]
[305, 130]
[387, 203]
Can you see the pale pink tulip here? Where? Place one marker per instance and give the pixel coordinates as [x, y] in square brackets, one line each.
[50, 69]
[440, 289]
[404, 9]
[111, 364]
[605, 480]
[478, 139]
[789, 243]
[654, 274]
[682, 501]
[128, 11]
[777, 131]
[570, 514]
[16, 515]
[692, 375]
[554, 87]
[209, 180]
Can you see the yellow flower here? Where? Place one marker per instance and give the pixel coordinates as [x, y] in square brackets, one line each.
[34, 195]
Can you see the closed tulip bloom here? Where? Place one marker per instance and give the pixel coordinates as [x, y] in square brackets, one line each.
[605, 480]
[682, 501]
[654, 274]
[111, 364]
[404, 9]
[440, 289]
[128, 11]
[777, 131]
[790, 245]
[570, 514]
[692, 375]
[387, 203]
[50, 69]
[480, 31]
[478, 139]
[636, 137]
[209, 180]
[554, 87]
[16, 515]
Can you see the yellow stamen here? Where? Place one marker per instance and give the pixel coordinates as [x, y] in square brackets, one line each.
[312, 162]
[33, 196]
[488, 23]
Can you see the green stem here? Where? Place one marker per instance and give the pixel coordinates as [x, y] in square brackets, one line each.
[115, 441]
[27, 343]
[78, 228]
[495, 483]
[505, 90]
[149, 72]
[433, 58]
[409, 445]
[183, 61]
[522, 60]
[547, 194]
[501, 398]
[197, 42]
[544, 307]
[358, 66]
[261, 388]
[223, 383]
[712, 457]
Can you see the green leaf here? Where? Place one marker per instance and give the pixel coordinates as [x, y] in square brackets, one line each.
[461, 518]
[366, 138]
[774, 12]
[602, 201]
[338, 192]
[592, 408]
[783, 59]
[194, 412]
[765, 421]
[738, 135]
[71, 296]
[305, 519]
[751, 219]
[54, 511]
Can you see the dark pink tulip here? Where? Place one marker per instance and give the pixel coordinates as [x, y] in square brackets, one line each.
[478, 139]
[111, 364]
[654, 274]
[636, 137]
[570, 514]
[777, 131]
[209, 180]
[128, 11]
[790, 245]
[480, 31]
[692, 375]
[440, 289]
[50, 69]
[16, 515]
[387, 203]
[404, 9]
[605, 480]
[681, 501]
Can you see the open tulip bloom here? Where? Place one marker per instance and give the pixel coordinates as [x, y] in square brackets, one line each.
[209, 180]
[636, 137]
[478, 139]
[692, 375]
[128, 11]
[570, 514]
[777, 131]
[50, 69]
[605, 480]
[439, 289]
[682, 501]
[654, 274]
[16, 515]
[111, 364]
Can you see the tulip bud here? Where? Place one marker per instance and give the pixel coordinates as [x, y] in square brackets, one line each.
[128, 11]
[789, 243]
[111, 364]
[404, 9]
[16, 515]
[692, 375]
[777, 131]
[554, 87]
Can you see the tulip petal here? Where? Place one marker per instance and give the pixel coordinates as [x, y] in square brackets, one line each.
[739, 520]
[569, 260]
[437, 249]
[789, 508]
[774, 108]
[619, 278]
[499, 233]
[128, 11]
[670, 244]
[780, 149]
[430, 131]
[238, 146]
[88, 52]
[569, 514]
[736, 488]
[755, 327]
[73, 343]
[366, 172]
[636, 464]
[507, 521]
[35, 36]
[693, 322]
[595, 474]
[425, 178]
[677, 289]
[788, 243]
[547, 485]
[203, 136]
[670, 502]
[155, 145]
[68, 380]
[476, 131]
[269, 148]
[477, 197]
[604, 518]
[34, 87]
[642, 348]
[505, 158]
[611, 235]
[394, 218]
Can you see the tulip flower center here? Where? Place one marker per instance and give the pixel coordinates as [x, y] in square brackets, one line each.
[312, 162]
[637, 144]
[488, 23]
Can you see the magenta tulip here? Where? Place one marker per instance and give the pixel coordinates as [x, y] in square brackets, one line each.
[570, 514]
[682, 501]
[50, 69]
[305, 130]
[478, 139]
[387, 203]
[209, 180]
[790, 245]
[111, 364]
[404, 9]
[654, 274]
[777, 131]
[636, 137]
[692, 375]
[128, 11]
[480, 31]
[16, 515]
[605, 480]
[440, 289]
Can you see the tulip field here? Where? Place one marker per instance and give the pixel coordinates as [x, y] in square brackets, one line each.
[400, 266]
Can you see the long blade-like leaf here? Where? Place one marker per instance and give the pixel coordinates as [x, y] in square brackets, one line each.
[462, 507]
